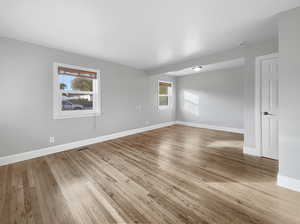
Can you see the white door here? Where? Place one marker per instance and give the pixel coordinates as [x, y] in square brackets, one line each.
[269, 107]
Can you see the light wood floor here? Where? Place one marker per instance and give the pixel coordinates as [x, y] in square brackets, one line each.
[172, 175]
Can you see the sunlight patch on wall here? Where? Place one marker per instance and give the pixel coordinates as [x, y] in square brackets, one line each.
[191, 103]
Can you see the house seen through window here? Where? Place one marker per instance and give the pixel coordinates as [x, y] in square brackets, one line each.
[76, 91]
[164, 94]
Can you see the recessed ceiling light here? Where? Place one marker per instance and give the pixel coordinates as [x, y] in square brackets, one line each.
[197, 68]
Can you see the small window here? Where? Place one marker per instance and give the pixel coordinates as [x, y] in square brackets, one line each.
[76, 91]
[164, 94]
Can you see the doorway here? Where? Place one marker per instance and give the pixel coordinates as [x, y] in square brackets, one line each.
[267, 107]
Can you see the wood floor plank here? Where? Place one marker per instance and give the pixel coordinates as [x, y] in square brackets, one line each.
[222, 208]
[176, 174]
[53, 205]
[74, 186]
[162, 188]
[119, 200]
[147, 196]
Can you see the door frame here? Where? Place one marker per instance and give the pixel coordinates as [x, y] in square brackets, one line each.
[258, 115]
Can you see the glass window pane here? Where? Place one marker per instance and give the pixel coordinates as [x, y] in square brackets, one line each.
[163, 90]
[72, 101]
[68, 82]
[163, 101]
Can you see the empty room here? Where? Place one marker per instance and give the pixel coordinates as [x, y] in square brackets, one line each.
[153, 111]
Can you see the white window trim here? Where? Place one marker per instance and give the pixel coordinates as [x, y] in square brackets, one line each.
[169, 96]
[58, 113]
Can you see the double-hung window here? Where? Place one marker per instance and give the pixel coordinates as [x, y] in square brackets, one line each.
[76, 91]
[164, 94]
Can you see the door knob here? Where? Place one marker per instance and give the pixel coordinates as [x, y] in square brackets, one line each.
[267, 113]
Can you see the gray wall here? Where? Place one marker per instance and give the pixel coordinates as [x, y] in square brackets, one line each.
[289, 94]
[212, 98]
[26, 99]
[26, 95]
[249, 53]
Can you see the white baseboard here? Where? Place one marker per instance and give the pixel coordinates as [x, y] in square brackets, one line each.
[251, 151]
[59, 148]
[288, 182]
[219, 128]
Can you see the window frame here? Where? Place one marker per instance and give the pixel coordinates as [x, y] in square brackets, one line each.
[169, 95]
[58, 113]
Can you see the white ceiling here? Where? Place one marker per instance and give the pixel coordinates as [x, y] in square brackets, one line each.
[210, 67]
[144, 34]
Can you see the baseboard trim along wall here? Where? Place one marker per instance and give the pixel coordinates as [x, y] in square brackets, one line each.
[288, 182]
[219, 128]
[60, 148]
[251, 151]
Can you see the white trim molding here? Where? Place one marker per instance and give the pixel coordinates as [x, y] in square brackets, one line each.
[60, 148]
[169, 95]
[212, 127]
[258, 131]
[251, 151]
[58, 112]
[288, 182]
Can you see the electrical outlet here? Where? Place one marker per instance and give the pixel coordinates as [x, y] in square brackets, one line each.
[51, 140]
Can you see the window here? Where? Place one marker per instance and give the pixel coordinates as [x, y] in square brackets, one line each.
[76, 91]
[164, 94]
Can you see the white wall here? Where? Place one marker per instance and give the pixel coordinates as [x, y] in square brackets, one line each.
[26, 121]
[212, 98]
[289, 94]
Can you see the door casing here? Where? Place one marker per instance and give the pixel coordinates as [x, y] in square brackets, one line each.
[258, 86]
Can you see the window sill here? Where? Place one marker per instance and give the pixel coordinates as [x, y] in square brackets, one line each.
[164, 107]
[67, 116]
